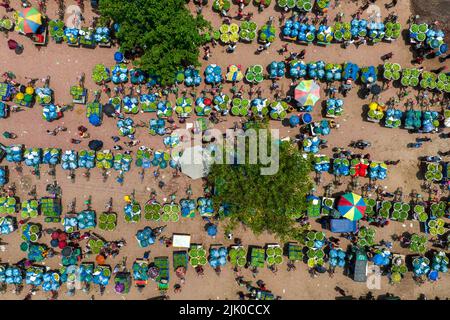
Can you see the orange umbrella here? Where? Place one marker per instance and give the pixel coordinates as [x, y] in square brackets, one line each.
[100, 259]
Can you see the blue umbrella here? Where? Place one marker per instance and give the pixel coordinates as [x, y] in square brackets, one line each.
[378, 259]
[294, 121]
[443, 48]
[118, 56]
[94, 120]
[433, 275]
[212, 230]
[306, 118]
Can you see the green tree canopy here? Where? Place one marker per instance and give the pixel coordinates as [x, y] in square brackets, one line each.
[265, 202]
[163, 33]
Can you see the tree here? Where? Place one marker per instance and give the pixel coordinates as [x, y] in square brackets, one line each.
[163, 34]
[265, 202]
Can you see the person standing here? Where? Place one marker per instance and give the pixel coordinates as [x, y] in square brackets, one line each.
[362, 41]
[231, 47]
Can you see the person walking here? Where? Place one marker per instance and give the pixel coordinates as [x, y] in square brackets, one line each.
[9, 135]
[51, 132]
[391, 4]
[439, 70]
[302, 54]
[240, 14]
[418, 60]
[283, 49]
[260, 49]
[231, 48]
[207, 53]
[362, 41]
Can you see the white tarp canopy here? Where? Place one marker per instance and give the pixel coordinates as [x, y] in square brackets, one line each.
[73, 17]
[194, 162]
[181, 241]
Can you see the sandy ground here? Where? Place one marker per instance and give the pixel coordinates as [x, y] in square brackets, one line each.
[64, 64]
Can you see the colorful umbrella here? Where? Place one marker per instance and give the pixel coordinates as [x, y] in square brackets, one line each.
[307, 93]
[234, 73]
[29, 20]
[352, 206]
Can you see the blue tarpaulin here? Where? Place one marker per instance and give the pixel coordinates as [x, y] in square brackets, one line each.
[342, 225]
[94, 120]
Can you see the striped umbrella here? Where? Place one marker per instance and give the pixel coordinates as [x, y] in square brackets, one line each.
[307, 93]
[352, 206]
[29, 20]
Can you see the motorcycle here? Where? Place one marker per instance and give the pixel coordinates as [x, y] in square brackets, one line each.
[360, 144]
[435, 159]
[423, 139]
[414, 145]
